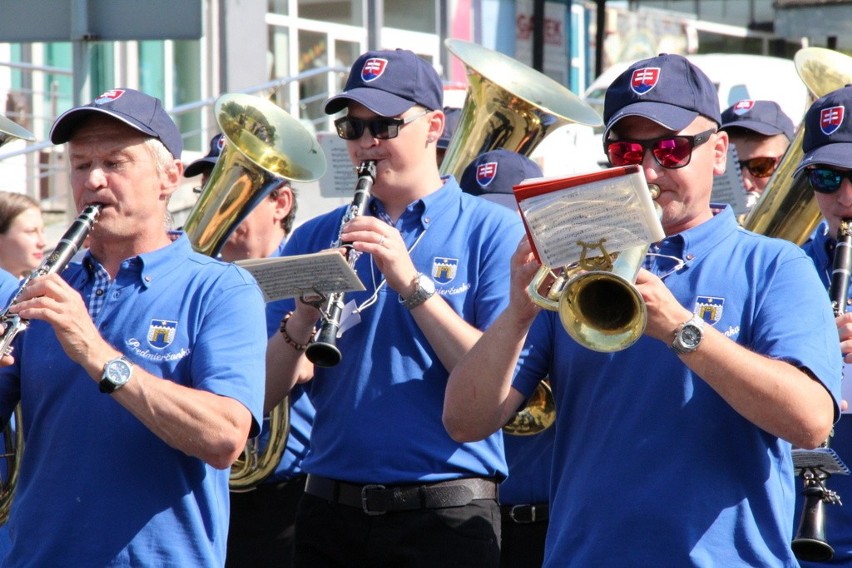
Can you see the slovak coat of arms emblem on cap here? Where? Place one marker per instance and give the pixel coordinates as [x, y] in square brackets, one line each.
[485, 173]
[743, 107]
[373, 69]
[645, 79]
[831, 118]
[109, 96]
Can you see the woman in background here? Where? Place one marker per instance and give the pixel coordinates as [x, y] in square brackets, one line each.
[21, 233]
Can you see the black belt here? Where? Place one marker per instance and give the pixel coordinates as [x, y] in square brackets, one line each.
[377, 499]
[523, 514]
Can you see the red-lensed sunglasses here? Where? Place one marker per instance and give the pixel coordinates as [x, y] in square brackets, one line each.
[670, 152]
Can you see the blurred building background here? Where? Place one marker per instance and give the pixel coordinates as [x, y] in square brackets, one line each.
[57, 53]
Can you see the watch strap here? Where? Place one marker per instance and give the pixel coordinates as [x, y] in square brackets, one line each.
[425, 290]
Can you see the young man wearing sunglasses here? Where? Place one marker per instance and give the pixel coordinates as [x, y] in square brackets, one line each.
[676, 450]
[761, 133]
[386, 484]
[827, 163]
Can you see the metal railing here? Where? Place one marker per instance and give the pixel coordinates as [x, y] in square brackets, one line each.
[42, 163]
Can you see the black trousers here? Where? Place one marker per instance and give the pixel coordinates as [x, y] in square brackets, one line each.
[261, 531]
[331, 534]
[523, 544]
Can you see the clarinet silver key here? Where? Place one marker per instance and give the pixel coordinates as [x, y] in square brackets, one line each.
[56, 261]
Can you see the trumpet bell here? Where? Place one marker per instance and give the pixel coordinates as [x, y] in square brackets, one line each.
[602, 311]
[508, 105]
[264, 146]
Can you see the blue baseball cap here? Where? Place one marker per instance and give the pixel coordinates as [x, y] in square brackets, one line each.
[134, 108]
[206, 163]
[492, 175]
[667, 89]
[451, 122]
[828, 131]
[389, 83]
[763, 117]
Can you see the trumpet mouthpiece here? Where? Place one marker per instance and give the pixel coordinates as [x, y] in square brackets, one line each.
[654, 189]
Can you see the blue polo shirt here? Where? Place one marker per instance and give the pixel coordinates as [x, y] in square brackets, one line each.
[378, 412]
[651, 466]
[97, 487]
[838, 518]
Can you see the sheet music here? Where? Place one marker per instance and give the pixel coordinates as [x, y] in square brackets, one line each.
[282, 277]
[615, 213]
[729, 187]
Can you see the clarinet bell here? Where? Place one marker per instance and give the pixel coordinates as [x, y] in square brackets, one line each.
[810, 543]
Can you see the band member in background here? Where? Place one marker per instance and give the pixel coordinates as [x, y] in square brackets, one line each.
[141, 374]
[21, 233]
[761, 133]
[827, 163]
[524, 494]
[386, 484]
[263, 517]
[675, 450]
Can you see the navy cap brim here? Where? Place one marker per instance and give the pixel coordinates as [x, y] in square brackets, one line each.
[838, 155]
[668, 116]
[64, 127]
[380, 102]
[755, 126]
[199, 167]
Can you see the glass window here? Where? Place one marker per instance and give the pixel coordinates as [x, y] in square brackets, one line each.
[414, 15]
[348, 12]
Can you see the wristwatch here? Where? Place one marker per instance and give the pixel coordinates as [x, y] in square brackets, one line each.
[117, 373]
[425, 290]
[688, 335]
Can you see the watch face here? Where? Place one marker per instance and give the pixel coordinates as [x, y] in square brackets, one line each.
[691, 335]
[118, 371]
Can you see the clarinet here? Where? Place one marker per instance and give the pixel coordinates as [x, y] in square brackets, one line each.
[323, 351]
[809, 543]
[56, 261]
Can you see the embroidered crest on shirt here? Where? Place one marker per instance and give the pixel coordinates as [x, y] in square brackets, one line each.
[709, 308]
[444, 269]
[161, 333]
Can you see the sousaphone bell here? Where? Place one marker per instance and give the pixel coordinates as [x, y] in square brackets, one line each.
[510, 106]
[263, 146]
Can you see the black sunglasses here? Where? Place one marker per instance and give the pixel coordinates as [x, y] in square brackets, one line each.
[351, 128]
[827, 180]
[760, 167]
[671, 152]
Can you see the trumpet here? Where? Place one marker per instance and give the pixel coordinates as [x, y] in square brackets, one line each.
[810, 543]
[597, 300]
[323, 350]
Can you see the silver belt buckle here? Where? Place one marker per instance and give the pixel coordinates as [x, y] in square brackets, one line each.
[364, 507]
[522, 521]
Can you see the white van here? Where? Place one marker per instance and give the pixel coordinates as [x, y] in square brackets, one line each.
[736, 77]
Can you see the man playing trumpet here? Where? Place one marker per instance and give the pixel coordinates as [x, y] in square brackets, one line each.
[676, 450]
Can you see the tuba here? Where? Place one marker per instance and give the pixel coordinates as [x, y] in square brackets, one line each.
[264, 146]
[13, 433]
[510, 105]
[787, 209]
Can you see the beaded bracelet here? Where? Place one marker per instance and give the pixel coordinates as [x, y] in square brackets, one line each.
[289, 340]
